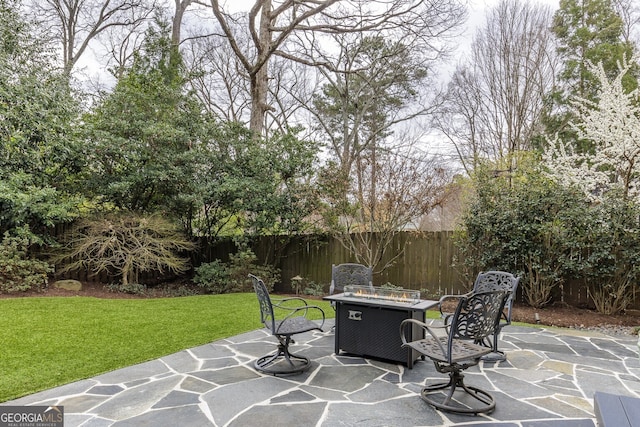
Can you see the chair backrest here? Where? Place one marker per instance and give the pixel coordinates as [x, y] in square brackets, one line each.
[477, 316]
[266, 307]
[350, 274]
[488, 281]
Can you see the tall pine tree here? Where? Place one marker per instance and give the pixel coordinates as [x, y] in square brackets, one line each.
[588, 31]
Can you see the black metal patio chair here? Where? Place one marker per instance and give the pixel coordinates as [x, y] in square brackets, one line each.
[485, 282]
[476, 317]
[349, 274]
[284, 317]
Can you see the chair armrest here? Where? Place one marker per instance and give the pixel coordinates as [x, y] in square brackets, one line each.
[294, 305]
[427, 328]
[282, 302]
[446, 297]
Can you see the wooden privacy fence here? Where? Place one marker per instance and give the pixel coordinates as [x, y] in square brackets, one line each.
[425, 264]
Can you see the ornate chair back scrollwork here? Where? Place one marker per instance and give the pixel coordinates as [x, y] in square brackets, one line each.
[476, 317]
[283, 318]
[486, 282]
[349, 274]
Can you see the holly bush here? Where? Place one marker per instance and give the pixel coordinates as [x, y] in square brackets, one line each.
[18, 271]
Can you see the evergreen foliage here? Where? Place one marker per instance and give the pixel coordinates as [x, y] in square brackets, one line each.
[607, 179]
[588, 32]
[142, 139]
[218, 277]
[40, 158]
[523, 223]
[19, 271]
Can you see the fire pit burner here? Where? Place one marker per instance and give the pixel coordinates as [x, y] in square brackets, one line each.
[394, 295]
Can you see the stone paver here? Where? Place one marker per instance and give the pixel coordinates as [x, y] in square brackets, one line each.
[548, 379]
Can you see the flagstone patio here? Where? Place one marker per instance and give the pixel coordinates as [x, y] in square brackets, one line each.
[549, 379]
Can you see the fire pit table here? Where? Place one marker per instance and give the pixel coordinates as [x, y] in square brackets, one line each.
[368, 322]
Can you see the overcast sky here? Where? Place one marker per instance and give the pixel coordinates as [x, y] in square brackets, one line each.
[477, 11]
[478, 8]
[89, 66]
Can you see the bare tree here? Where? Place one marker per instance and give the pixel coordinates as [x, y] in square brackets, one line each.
[495, 103]
[119, 45]
[291, 90]
[629, 11]
[75, 23]
[459, 119]
[395, 190]
[378, 183]
[272, 23]
[221, 83]
[217, 78]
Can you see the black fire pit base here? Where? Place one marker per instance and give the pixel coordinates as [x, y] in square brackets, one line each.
[371, 328]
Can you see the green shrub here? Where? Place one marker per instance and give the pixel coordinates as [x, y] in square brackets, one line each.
[130, 288]
[213, 277]
[218, 277]
[525, 224]
[18, 272]
[426, 293]
[244, 263]
[314, 289]
[611, 253]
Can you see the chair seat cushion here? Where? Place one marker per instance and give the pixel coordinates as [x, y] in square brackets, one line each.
[462, 349]
[294, 325]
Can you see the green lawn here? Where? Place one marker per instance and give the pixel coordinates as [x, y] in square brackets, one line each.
[47, 342]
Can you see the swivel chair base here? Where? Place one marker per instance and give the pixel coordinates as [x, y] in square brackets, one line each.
[429, 394]
[494, 356]
[282, 362]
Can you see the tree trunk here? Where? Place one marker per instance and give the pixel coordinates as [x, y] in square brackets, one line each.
[259, 105]
[176, 28]
[259, 74]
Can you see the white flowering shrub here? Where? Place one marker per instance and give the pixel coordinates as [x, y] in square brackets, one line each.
[607, 173]
[612, 124]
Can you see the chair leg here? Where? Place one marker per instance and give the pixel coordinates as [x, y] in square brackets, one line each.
[456, 379]
[495, 355]
[282, 362]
